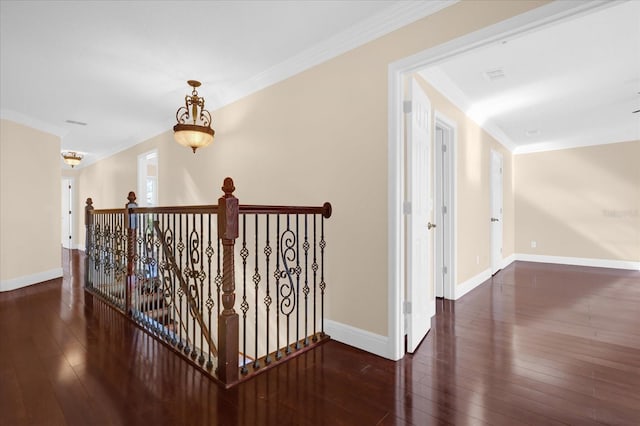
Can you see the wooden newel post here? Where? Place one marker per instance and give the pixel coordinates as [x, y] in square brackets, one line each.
[131, 225]
[88, 241]
[228, 322]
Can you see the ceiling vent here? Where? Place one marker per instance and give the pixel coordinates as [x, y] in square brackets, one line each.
[494, 74]
[79, 123]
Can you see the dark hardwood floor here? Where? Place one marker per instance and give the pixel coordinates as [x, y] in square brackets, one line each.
[537, 344]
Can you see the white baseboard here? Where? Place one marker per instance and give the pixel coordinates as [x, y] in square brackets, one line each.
[26, 280]
[465, 287]
[508, 260]
[580, 261]
[358, 338]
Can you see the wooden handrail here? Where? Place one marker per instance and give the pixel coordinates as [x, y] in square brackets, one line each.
[324, 210]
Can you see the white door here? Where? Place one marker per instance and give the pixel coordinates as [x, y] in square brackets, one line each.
[66, 214]
[496, 212]
[444, 231]
[420, 306]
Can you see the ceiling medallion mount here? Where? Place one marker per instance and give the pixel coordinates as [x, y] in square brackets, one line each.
[194, 122]
[71, 158]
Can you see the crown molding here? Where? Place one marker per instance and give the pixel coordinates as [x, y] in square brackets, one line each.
[443, 84]
[34, 123]
[398, 16]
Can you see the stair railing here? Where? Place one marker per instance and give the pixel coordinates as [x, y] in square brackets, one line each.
[172, 270]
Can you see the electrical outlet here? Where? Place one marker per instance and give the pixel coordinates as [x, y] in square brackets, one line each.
[534, 244]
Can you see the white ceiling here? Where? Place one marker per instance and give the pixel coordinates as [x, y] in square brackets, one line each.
[122, 66]
[574, 83]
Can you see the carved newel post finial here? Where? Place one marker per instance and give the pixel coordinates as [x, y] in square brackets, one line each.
[89, 202]
[228, 187]
[131, 197]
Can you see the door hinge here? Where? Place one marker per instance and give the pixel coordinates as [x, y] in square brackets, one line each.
[406, 207]
[444, 209]
[444, 148]
[406, 107]
[444, 269]
[406, 307]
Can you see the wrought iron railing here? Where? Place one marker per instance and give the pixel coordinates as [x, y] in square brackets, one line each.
[172, 270]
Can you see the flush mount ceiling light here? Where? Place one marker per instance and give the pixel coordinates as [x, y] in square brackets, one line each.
[194, 122]
[71, 158]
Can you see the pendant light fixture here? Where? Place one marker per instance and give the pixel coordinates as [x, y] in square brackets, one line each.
[71, 158]
[194, 122]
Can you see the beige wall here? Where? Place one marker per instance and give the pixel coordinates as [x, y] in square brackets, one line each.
[580, 202]
[29, 206]
[318, 136]
[473, 186]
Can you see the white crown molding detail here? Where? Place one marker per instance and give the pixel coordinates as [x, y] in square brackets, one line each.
[443, 84]
[557, 146]
[398, 16]
[27, 280]
[33, 123]
[358, 338]
[580, 261]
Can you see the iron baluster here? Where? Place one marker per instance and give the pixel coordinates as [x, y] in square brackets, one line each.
[323, 285]
[209, 302]
[256, 282]
[305, 289]
[277, 277]
[244, 306]
[297, 282]
[267, 298]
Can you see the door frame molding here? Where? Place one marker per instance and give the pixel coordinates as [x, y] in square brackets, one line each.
[443, 121]
[534, 19]
[493, 156]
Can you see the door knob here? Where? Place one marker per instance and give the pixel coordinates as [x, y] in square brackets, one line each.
[493, 219]
[430, 225]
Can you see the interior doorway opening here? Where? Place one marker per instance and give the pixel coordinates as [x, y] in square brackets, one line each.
[444, 149]
[66, 213]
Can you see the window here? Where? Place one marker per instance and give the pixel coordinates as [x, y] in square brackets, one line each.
[148, 179]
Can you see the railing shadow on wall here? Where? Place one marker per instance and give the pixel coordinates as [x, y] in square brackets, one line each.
[177, 272]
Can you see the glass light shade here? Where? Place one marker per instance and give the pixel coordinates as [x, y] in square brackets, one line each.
[193, 136]
[71, 158]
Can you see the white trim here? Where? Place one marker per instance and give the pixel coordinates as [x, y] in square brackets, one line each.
[442, 120]
[79, 246]
[594, 140]
[473, 282]
[34, 123]
[395, 232]
[580, 261]
[391, 19]
[508, 260]
[27, 280]
[358, 338]
[537, 18]
[443, 84]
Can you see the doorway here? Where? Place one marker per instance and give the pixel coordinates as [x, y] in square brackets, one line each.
[66, 213]
[496, 212]
[444, 138]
